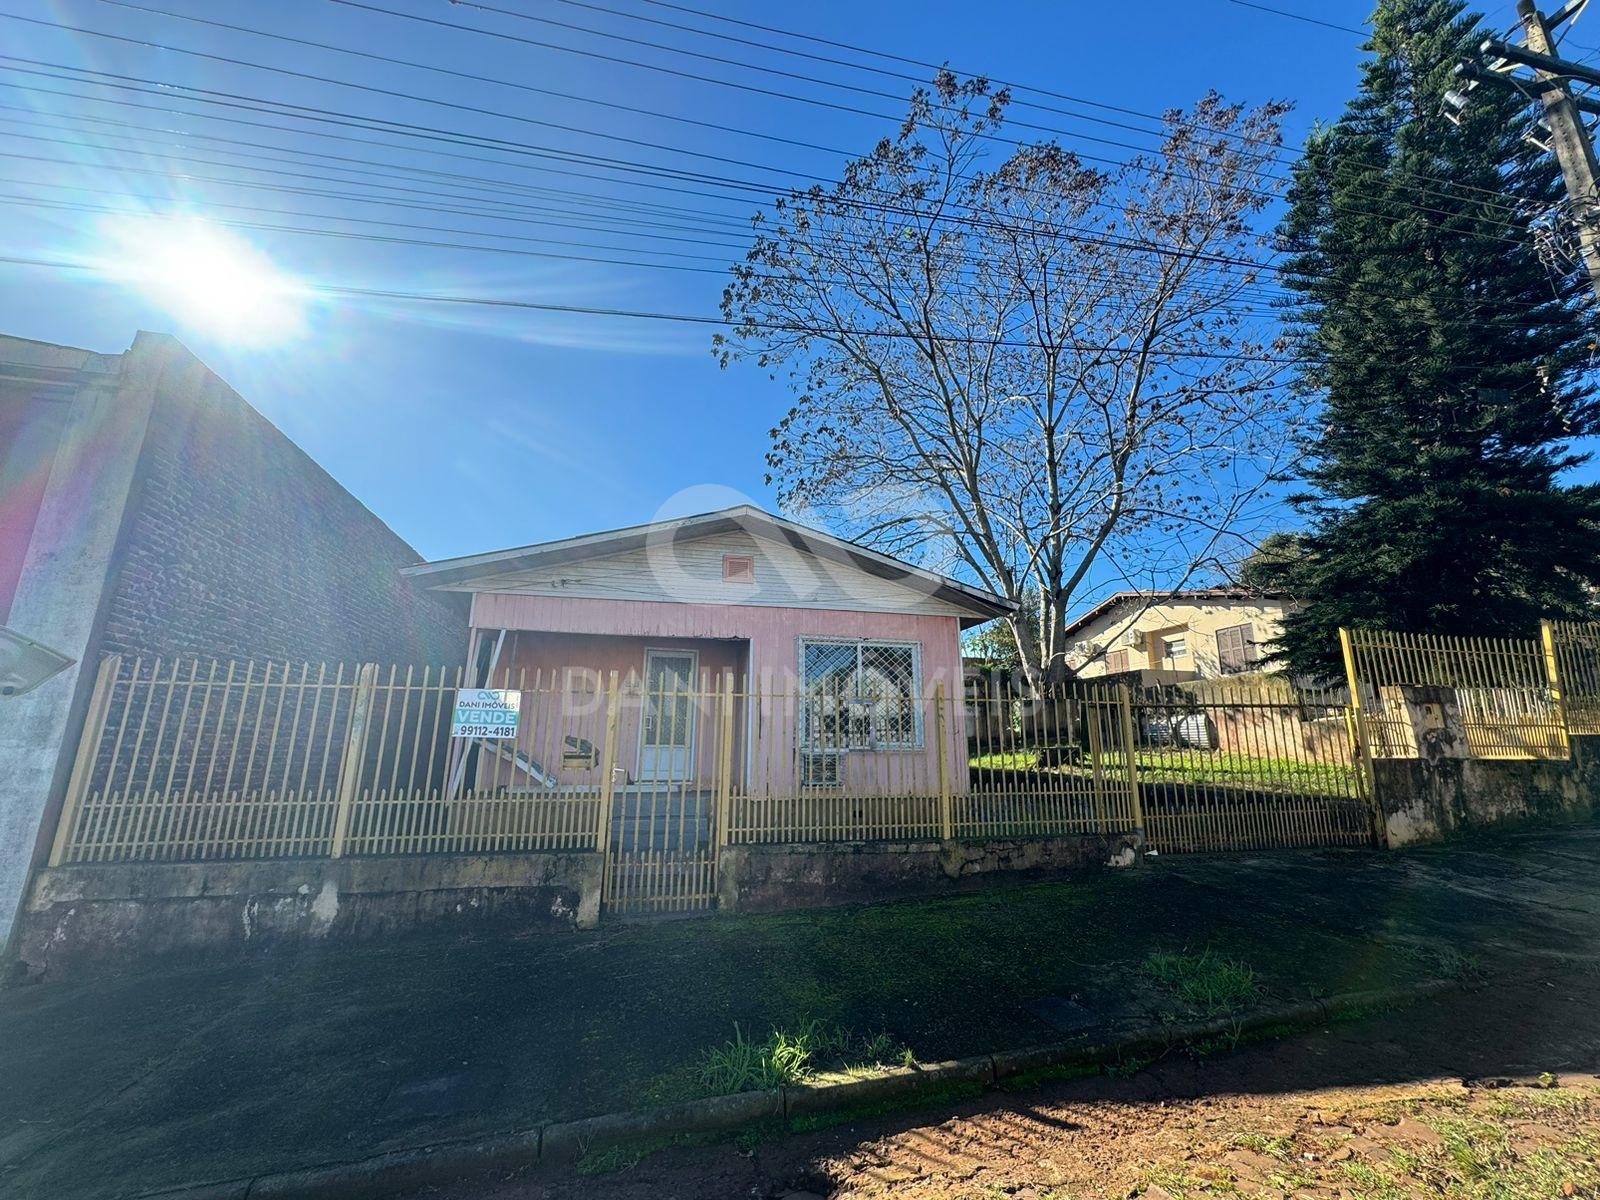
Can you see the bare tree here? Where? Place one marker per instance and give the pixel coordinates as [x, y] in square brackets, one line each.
[1023, 370]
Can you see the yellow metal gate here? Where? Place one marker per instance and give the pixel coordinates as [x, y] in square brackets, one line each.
[667, 792]
[1250, 768]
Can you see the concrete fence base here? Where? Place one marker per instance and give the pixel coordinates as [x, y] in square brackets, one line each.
[79, 918]
[773, 878]
[83, 918]
[1439, 788]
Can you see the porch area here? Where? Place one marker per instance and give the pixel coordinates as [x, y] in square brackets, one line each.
[645, 725]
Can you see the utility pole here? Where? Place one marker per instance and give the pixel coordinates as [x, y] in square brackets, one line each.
[1569, 139]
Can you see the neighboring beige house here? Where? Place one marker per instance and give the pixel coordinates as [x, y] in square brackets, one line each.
[1203, 633]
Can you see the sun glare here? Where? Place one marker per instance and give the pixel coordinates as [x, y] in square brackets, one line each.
[209, 279]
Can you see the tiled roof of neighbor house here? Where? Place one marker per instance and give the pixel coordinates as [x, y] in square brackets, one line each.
[745, 517]
[1189, 596]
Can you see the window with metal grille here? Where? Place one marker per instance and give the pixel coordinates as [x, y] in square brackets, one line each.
[860, 695]
[1236, 651]
[819, 770]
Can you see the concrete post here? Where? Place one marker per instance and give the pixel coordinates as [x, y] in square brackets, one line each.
[1416, 796]
[83, 763]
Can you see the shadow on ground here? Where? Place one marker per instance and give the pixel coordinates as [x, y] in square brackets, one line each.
[1485, 1093]
[187, 1075]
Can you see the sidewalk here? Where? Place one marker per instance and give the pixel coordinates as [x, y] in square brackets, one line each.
[134, 1084]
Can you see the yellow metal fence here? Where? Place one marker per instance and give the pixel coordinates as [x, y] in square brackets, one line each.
[1575, 648]
[943, 766]
[1507, 690]
[186, 761]
[189, 760]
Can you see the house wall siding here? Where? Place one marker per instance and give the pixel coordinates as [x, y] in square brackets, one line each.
[773, 633]
[58, 593]
[1196, 622]
[690, 572]
[576, 667]
[774, 636]
[170, 518]
[31, 425]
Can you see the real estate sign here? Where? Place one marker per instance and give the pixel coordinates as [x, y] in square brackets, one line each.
[486, 713]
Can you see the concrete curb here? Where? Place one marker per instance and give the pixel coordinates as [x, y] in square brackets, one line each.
[567, 1141]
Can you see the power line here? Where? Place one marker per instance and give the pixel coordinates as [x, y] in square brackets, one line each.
[394, 239]
[383, 127]
[1161, 120]
[465, 140]
[386, 201]
[920, 80]
[392, 94]
[384, 124]
[424, 99]
[716, 265]
[575, 97]
[700, 319]
[718, 126]
[531, 210]
[1510, 224]
[542, 213]
[295, 155]
[772, 327]
[361, 4]
[1294, 16]
[1120, 163]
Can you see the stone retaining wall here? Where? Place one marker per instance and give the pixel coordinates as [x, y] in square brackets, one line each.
[132, 914]
[1443, 791]
[773, 878]
[84, 918]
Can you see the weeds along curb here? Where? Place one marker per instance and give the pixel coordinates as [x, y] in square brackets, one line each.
[567, 1141]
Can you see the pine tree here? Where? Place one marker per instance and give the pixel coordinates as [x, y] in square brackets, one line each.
[1449, 356]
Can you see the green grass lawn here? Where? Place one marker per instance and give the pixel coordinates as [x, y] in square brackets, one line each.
[1174, 764]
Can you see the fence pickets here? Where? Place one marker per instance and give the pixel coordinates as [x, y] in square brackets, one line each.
[185, 760]
[1234, 768]
[1574, 648]
[196, 761]
[1519, 698]
[1507, 708]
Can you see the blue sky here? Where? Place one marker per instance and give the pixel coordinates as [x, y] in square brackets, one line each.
[579, 422]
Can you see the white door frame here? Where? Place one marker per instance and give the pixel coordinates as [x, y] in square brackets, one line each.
[654, 775]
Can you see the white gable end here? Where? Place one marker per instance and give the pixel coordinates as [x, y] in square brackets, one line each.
[692, 572]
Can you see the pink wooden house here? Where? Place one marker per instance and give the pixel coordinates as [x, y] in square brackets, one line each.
[832, 654]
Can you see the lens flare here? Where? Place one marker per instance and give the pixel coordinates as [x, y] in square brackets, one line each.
[208, 279]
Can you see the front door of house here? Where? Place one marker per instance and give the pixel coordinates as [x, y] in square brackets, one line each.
[666, 735]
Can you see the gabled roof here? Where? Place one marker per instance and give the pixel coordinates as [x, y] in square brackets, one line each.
[1190, 596]
[743, 517]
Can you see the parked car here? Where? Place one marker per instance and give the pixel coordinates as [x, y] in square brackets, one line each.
[1193, 730]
